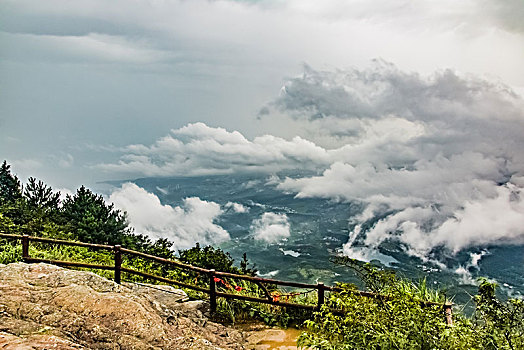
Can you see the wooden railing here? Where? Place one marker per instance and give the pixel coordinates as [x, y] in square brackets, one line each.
[211, 274]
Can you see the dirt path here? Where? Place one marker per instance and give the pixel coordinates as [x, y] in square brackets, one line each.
[265, 338]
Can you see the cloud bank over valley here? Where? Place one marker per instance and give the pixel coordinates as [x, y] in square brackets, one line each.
[143, 67]
[437, 158]
[194, 221]
[271, 227]
[377, 129]
[184, 225]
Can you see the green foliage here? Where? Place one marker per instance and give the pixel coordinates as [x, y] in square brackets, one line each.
[39, 208]
[245, 269]
[10, 189]
[402, 319]
[41, 197]
[231, 310]
[503, 322]
[91, 219]
[386, 282]
[11, 200]
[396, 321]
[209, 258]
[10, 251]
[6, 224]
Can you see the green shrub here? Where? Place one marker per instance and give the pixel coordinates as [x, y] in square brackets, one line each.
[10, 251]
[209, 257]
[502, 323]
[404, 320]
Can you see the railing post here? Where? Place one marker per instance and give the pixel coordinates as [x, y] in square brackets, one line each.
[449, 313]
[118, 263]
[212, 292]
[320, 287]
[25, 248]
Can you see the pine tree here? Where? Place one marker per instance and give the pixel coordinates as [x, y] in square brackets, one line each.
[91, 219]
[40, 196]
[10, 189]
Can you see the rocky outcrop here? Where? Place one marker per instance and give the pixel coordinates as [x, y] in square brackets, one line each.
[44, 306]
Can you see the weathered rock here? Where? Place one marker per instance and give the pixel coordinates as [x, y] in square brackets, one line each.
[38, 341]
[44, 306]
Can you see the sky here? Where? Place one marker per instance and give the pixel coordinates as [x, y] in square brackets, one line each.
[415, 106]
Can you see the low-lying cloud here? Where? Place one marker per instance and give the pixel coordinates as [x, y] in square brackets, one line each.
[197, 149]
[438, 158]
[271, 227]
[452, 180]
[236, 207]
[184, 225]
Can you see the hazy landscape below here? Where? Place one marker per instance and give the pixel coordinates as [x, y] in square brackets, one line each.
[293, 238]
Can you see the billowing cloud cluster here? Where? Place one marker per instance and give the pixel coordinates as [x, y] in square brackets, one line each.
[271, 227]
[438, 158]
[141, 67]
[198, 149]
[452, 178]
[186, 225]
[236, 207]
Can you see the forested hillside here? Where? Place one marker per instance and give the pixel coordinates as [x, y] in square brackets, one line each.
[400, 320]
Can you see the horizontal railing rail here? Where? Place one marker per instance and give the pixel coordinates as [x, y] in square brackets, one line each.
[164, 261]
[212, 276]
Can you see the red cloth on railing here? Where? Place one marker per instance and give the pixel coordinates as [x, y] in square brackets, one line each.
[275, 295]
[228, 286]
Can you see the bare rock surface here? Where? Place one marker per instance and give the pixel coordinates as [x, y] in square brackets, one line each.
[47, 307]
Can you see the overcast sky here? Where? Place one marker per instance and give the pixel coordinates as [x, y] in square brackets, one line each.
[82, 79]
[413, 108]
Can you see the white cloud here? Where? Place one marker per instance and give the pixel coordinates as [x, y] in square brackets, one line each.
[382, 90]
[435, 171]
[64, 193]
[290, 253]
[153, 65]
[496, 219]
[488, 220]
[236, 207]
[441, 180]
[162, 190]
[271, 227]
[270, 274]
[66, 160]
[366, 118]
[198, 149]
[268, 33]
[421, 146]
[465, 271]
[186, 225]
[88, 48]
[428, 154]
